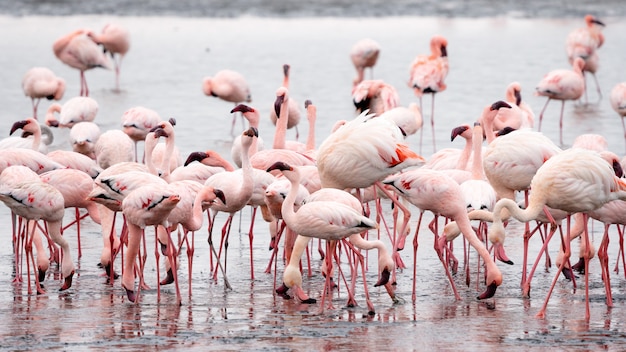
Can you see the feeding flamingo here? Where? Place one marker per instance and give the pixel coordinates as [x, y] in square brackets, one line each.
[115, 40]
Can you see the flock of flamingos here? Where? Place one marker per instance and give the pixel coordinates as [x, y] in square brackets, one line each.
[332, 192]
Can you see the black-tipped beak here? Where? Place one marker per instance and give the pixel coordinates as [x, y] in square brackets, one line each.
[220, 195]
[241, 108]
[18, 125]
[195, 156]
[457, 131]
[500, 104]
[279, 165]
[277, 103]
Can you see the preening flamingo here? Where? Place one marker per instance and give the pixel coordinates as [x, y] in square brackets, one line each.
[576, 181]
[41, 82]
[364, 54]
[229, 86]
[584, 43]
[79, 51]
[618, 102]
[115, 40]
[427, 75]
[562, 84]
[376, 96]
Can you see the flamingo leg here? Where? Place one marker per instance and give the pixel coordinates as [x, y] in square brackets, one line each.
[541, 114]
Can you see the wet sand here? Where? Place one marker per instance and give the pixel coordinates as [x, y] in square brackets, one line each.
[164, 70]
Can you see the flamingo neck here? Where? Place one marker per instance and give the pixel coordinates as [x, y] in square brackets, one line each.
[311, 116]
[281, 125]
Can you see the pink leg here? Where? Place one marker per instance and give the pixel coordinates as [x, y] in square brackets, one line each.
[541, 114]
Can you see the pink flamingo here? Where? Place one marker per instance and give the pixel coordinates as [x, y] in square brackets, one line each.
[30, 127]
[115, 40]
[41, 82]
[427, 75]
[77, 161]
[364, 54]
[83, 137]
[375, 96]
[11, 176]
[147, 205]
[75, 110]
[294, 114]
[114, 146]
[32, 159]
[510, 162]
[362, 153]
[562, 85]
[515, 114]
[238, 187]
[252, 115]
[137, 122]
[328, 220]
[79, 51]
[40, 201]
[584, 43]
[409, 119]
[229, 86]
[576, 181]
[618, 102]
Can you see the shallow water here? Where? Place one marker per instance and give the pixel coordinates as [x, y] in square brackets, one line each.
[163, 71]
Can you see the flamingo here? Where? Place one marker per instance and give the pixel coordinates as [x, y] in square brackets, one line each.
[576, 181]
[515, 113]
[294, 114]
[34, 160]
[83, 137]
[252, 115]
[376, 96]
[364, 54]
[41, 82]
[229, 86]
[77, 50]
[432, 190]
[147, 205]
[478, 192]
[409, 119]
[584, 43]
[30, 127]
[427, 76]
[115, 40]
[114, 146]
[362, 153]
[77, 161]
[327, 220]
[40, 201]
[11, 176]
[74, 110]
[137, 122]
[238, 187]
[618, 102]
[562, 84]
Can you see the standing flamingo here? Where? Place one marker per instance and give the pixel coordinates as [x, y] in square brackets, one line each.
[328, 220]
[115, 40]
[229, 86]
[618, 102]
[364, 54]
[41, 82]
[294, 114]
[73, 111]
[584, 43]
[515, 114]
[434, 191]
[252, 115]
[427, 75]
[79, 51]
[361, 154]
[576, 181]
[40, 201]
[562, 85]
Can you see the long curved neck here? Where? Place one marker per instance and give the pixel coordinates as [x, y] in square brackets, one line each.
[522, 215]
[461, 164]
[287, 209]
[170, 145]
[197, 211]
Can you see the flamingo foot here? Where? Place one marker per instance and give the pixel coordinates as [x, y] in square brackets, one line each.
[168, 279]
[384, 278]
[489, 292]
[501, 254]
[351, 303]
[68, 282]
[130, 294]
[580, 266]
[282, 290]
